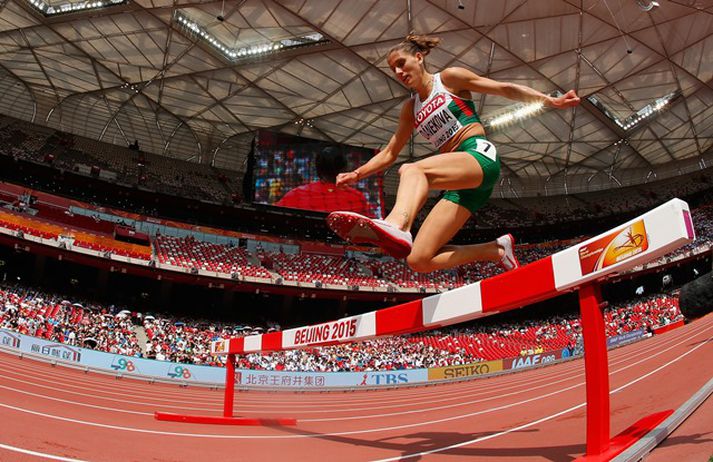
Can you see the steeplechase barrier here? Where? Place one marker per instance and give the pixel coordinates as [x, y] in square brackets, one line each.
[581, 267]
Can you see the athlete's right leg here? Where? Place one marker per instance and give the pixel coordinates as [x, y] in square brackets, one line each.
[451, 171]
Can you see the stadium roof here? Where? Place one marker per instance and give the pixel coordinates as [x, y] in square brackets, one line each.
[193, 80]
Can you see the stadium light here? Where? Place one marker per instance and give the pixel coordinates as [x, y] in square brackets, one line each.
[647, 5]
[516, 113]
[234, 54]
[304, 123]
[644, 114]
[72, 7]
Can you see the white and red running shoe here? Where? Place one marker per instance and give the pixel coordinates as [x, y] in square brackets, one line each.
[508, 260]
[359, 229]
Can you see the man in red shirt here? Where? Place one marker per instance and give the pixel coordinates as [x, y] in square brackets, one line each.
[323, 195]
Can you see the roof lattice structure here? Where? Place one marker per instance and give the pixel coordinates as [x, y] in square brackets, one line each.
[132, 71]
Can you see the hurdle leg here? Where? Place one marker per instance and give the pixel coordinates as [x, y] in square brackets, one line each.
[596, 368]
[228, 399]
[229, 386]
[599, 446]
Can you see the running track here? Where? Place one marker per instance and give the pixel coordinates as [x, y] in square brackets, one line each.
[55, 413]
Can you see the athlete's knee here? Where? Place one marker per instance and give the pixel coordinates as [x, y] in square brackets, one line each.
[419, 262]
[407, 169]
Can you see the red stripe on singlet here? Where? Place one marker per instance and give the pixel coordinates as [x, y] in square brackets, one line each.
[462, 106]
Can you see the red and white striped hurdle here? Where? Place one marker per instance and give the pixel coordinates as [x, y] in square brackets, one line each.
[662, 230]
[583, 266]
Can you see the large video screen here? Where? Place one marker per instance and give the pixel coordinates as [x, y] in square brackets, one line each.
[295, 172]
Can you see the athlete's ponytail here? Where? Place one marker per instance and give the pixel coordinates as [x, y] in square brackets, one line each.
[414, 43]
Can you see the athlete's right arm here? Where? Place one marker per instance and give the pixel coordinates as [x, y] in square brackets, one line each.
[387, 156]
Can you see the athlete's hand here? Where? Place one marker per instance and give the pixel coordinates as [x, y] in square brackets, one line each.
[348, 178]
[569, 99]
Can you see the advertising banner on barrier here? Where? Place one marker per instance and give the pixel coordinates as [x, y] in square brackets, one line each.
[465, 370]
[535, 360]
[317, 380]
[613, 248]
[9, 339]
[616, 340]
[192, 373]
[126, 365]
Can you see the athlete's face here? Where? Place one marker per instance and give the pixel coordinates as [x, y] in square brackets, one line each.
[407, 68]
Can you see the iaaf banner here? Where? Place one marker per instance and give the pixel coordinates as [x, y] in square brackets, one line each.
[535, 360]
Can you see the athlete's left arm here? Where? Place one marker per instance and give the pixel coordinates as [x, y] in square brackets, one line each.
[460, 79]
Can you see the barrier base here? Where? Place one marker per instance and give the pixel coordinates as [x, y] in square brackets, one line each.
[219, 420]
[628, 437]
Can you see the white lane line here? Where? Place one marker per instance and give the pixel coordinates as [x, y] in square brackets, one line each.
[460, 403]
[316, 435]
[426, 397]
[217, 407]
[356, 432]
[535, 422]
[629, 364]
[244, 406]
[37, 454]
[77, 403]
[83, 389]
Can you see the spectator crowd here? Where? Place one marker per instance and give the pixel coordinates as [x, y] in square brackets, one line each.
[166, 338]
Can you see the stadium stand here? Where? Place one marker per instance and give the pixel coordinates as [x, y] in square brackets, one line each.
[52, 317]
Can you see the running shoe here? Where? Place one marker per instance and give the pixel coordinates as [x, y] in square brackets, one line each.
[508, 260]
[359, 229]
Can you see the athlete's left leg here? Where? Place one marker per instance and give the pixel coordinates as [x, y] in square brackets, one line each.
[454, 170]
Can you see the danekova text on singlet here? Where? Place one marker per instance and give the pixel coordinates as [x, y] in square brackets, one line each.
[442, 114]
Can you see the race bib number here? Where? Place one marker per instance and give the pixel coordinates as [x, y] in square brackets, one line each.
[487, 149]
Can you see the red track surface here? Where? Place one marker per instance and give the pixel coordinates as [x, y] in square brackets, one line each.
[538, 415]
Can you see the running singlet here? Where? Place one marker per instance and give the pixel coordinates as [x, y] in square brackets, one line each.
[442, 114]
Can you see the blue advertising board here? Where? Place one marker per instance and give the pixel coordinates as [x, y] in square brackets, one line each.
[129, 366]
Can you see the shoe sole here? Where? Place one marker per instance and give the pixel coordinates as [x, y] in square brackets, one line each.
[359, 230]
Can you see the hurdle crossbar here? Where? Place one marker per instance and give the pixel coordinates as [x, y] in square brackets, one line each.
[581, 267]
[646, 238]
